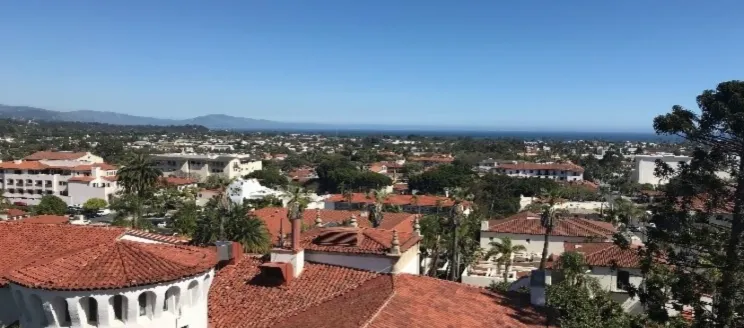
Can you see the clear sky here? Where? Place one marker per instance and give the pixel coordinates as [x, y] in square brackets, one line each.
[569, 64]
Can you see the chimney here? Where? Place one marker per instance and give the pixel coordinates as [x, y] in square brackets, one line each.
[228, 252]
[296, 230]
[276, 273]
[537, 287]
[353, 222]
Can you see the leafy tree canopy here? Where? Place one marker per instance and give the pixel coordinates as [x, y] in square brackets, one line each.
[51, 204]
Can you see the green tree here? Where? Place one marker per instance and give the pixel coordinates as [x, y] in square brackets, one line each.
[506, 249]
[216, 181]
[549, 220]
[701, 259]
[376, 215]
[269, 177]
[185, 219]
[94, 204]
[223, 219]
[51, 204]
[138, 178]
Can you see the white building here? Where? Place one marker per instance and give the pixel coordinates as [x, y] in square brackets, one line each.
[644, 166]
[97, 277]
[200, 166]
[613, 267]
[554, 171]
[73, 177]
[250, 189]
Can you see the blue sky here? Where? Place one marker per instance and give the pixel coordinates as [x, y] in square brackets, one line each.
[560, 65]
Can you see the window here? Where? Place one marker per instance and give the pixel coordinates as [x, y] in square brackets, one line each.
[119, 303]
[90, 309]
[193, 292]
[171, 300]
[528, 240]
[36, 305]
[142, 301]
[623, 279]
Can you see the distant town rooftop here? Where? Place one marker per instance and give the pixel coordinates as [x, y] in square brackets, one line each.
[200, 156]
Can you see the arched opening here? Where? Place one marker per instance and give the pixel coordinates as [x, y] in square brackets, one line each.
[90, 310]
[21, 303]
[62, 312]
[172, 297]
[37, 308]
[146, 303]
[193, 292]
[118, 304]
[205, 286]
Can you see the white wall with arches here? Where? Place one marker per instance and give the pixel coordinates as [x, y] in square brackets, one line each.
[174, 304]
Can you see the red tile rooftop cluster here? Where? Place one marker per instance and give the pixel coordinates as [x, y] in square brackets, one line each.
[529, 223]
[540, 166]
[401, 200]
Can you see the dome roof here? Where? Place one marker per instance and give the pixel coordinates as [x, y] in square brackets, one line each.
[112, 265]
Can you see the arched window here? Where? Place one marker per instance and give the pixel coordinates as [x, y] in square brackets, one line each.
[205, 286]
[119, 304]
[146, 302]
[90, 310]
[38, 310]
[172, 296]
[62, 311]
[21, 302]
[193, 292]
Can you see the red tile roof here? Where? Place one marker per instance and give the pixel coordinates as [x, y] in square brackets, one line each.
[541, 166]
[22, 243]
[176, 181]
[81, 178]
[433, 159]
[330, 296]
[25, 165]
[54, 155]
[110, 265]
[273, 216]
[529, 223]
[605, 254]
[361, 240]
[176, 240]
[46, 219]
[401, 200]
[239, 298]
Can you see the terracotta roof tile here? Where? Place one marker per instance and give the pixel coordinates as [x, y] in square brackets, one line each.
[117, 264]
[175, 240]
[54, 155]
[605, 254]
[273, 216]
[21, 243]
[424, 302]
[25, 165]
[401, 200]
[529, 223]
[176, 181]
[361, 240]
[330, 296]
[238, 298]
[81, 179]
[14, 212]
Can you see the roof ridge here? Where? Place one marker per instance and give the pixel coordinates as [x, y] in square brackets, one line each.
[384, 304]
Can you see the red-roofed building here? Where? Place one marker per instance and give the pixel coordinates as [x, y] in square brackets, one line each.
[612, 266]
[112, 281]
[525, 229]
[275, 217]
[13, 214]
[73, 177]
[46, 219]
[430, 161]
[554, 171]
[178, 182]
[408, 203]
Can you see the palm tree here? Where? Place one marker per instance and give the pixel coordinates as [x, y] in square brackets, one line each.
[348, 196]
[376, 213]
[296, 195]
[138, 178]
[573, 267]
[507, 250]
[549, 219]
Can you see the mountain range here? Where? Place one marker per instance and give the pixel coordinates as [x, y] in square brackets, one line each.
[212, 121]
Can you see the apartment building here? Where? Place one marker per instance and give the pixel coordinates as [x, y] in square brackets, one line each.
[74, 177]
[200, 166]
[644, 167]
[554, 171]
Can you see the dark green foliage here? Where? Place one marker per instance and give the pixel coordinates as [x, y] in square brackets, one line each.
[337, 174]
[185, 218]
[269, 177]
[51, 204]
[223, 220]
[701, 258]
[436, 180]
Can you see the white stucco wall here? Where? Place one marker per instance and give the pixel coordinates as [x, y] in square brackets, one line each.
[533, 243]
[374, 263]
[187, 306]
[409, 261]
[608, 277]
[644, 166]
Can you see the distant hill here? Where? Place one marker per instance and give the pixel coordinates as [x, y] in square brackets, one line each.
[213, 121]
